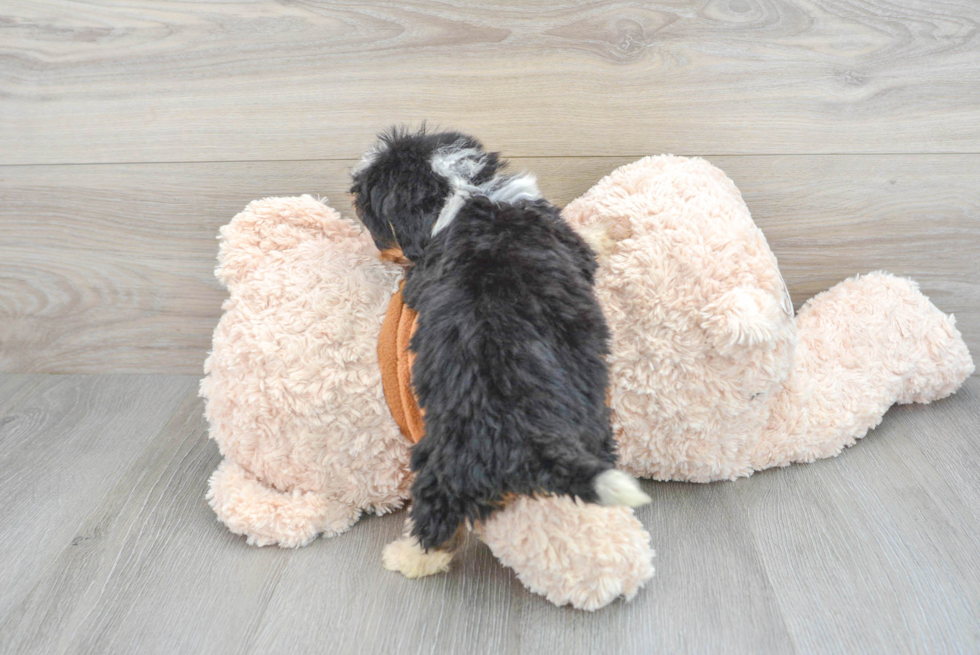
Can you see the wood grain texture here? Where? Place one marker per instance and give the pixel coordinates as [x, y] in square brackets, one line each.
[353, 605]
[118, 81]
[956, 441]
[878, 532]
[65, 443]
[874, 551]
[109, 268]
[479, 607]
[711, 592]
[12, 388]
[151, 570]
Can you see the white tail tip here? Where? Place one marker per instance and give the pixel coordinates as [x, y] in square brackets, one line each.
[618, 488]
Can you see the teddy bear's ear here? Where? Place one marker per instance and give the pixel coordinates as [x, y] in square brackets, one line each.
[273, 225]
[746, 317]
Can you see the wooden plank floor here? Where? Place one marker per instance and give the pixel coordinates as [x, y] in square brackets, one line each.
[111, 548]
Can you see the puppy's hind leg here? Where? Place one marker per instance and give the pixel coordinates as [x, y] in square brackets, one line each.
[406, 556]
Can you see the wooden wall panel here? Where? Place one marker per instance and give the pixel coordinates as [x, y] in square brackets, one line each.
[118, 81]
[109, 268]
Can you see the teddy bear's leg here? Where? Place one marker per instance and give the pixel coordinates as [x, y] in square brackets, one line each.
[266, 516]
[866, 344]
[406, 555]
[571, 552]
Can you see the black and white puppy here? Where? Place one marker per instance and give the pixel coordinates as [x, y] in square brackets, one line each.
[510, 344]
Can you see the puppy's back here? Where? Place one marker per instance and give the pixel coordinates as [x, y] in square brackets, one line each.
[509, 368]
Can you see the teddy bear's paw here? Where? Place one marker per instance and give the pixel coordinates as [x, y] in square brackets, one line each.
[571, 552]
[746, 317]
[266, 516]
[888, 338]
[406, 556]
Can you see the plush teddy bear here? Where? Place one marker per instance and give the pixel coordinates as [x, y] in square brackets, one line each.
[711, 375]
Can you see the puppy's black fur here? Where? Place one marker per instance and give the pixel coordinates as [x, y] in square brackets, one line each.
[509, 366]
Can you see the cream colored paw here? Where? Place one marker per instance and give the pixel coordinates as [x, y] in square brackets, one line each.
[407, 557]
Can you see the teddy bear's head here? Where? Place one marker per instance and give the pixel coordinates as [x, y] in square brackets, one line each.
[703, 329]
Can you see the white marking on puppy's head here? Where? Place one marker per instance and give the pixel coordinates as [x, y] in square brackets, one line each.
[458, 163]
[511, 188]
[461, 164]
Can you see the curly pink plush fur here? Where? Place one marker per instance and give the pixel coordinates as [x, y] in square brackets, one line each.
[713, 377]
[292, 383]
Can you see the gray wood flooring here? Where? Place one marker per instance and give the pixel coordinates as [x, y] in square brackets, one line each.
[109, 547]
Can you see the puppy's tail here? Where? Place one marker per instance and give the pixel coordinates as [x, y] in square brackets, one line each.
[615, 487]
[593, 480]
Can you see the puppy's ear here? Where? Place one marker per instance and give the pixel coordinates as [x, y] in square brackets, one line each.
[368, 204]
